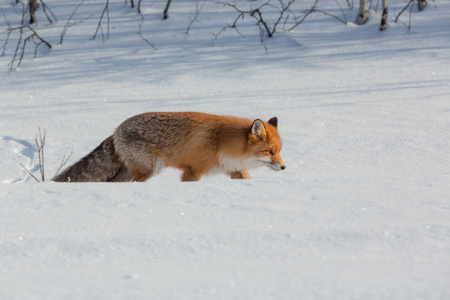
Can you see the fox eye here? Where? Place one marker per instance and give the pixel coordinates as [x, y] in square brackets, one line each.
[269, 151]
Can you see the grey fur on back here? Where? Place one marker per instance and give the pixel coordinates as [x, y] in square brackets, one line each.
[99, 165]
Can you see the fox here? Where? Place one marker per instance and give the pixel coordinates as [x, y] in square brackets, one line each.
[197, 143]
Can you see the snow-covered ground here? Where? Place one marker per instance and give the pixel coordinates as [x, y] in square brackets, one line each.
[361, 212]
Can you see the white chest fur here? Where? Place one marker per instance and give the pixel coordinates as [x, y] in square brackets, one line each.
[229, 165]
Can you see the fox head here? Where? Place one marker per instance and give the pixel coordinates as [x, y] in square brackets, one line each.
[265, 144]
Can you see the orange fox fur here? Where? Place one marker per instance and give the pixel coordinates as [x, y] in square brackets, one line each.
[196, 143]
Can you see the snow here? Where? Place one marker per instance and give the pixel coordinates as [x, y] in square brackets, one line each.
[361, 212]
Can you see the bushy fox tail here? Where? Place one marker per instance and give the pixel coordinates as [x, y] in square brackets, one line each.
[99, 165]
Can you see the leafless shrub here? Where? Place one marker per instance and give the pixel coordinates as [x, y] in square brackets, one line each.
[62, 164]
[315, 9]
[142, 37]
[40, 146]
[20, 8]
[198, 8]
[70, 24]
[45, 7]
[268, 26]
[100, 21]
[26, 35]
[421, 4]
[257, 13]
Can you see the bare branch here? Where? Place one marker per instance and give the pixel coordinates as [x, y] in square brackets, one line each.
[142, 37]
[268, 26]
[404, 8]
[40, 148]
[99, 26]
[19, 51]
[257, 13]
[240, 16]
[307, 13]
[30, 173]
[330, 15]
[45, 8]
[342, 11]
[69, 25]
[198, 8]
[63, 163]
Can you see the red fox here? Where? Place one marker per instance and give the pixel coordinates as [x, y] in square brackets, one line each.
[196, 143]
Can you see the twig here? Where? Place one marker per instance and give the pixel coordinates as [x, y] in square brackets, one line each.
[63, 163]
[349, 4]
[257, 14]
[401, 12]
[40, 148]
[142, 37]
[232, 26]
[7, 21]
[342, 11]
[20, 51]
[197, 12]
[44, 8]
[99, 25]
[69, 25]
[307, 13]
[330, 15]
[404, 8]
[29, 173]
[261, 39]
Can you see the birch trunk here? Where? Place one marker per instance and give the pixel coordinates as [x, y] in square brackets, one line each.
[384, 16]
[33, 5]
[362, 15]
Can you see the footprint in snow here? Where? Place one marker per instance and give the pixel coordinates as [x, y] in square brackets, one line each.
[14, 152]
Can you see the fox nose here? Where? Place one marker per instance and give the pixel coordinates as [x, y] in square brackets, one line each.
[283, 167]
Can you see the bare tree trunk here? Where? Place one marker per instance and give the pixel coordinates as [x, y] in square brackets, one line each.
[384, 16]
[166, 10]
[422, 4]
[362, 15]
[33, 5]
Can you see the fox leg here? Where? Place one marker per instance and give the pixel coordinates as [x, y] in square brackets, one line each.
[137, 169]
[123, 175]
[141, 174]
[239, 175]
[190, 175]
[136, 174]
[153, 166]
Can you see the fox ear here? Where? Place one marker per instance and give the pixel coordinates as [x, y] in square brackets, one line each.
[274, 122]
[258, 129]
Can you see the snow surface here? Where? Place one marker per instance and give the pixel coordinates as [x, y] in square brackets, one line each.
[361, 212]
